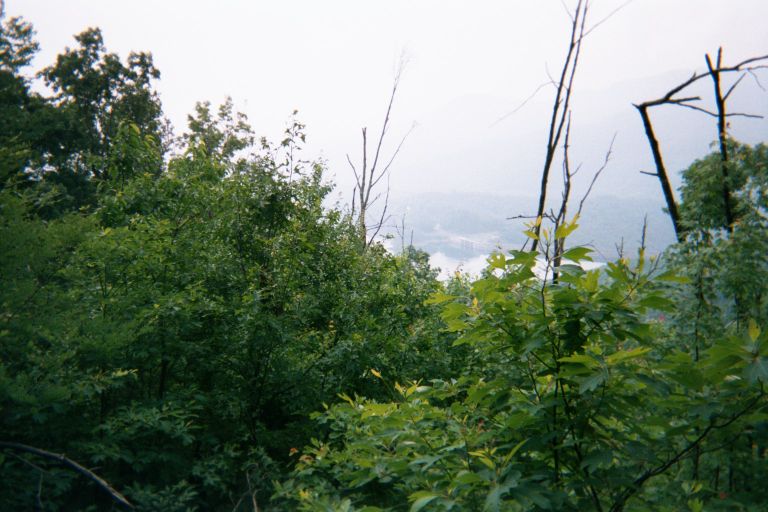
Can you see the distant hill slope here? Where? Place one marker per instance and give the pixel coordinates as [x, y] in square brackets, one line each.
[468, 167]
[465, 225]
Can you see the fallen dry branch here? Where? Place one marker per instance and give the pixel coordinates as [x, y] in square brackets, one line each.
[71, 464]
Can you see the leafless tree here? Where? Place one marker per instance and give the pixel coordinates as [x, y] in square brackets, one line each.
[560, 107]
[559, 129]
[676, 96]
[370, 172]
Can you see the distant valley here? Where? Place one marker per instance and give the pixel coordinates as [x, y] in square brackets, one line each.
[462, 228]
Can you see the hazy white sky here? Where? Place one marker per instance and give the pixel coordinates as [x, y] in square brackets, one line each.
[333, 60]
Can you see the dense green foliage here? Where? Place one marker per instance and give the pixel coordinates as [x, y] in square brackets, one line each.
[173, 319]
[174, 311]
[575, 399]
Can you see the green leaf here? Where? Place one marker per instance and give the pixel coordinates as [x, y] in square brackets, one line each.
[597, 459]
[657, 302]
[583, 359]
[439, 298]
[591, 281]
[426, 461]
[422, 499]
[497, 261]
[513, 451]
[625, 355]
[524, 258]
[593, 381]
[531, 234]
[578, 254]
[757, 370]
[753, 330]
[377, 410]
[483, 457]
[673, 277]
[567, 268]
[566, 228]
[467, 478]
[493, 499]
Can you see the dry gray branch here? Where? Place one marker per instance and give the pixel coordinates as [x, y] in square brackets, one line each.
[71, 464]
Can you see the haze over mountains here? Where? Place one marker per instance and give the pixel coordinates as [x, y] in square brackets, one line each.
[471, 165]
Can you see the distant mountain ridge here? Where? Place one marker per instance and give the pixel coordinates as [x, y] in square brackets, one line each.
[466, 225]
[476, 162]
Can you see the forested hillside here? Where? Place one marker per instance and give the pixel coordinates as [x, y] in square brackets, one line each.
[185, 324]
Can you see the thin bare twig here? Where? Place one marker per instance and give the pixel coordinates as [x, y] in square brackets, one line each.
[609, 16]
[524, 102]
[597, 174]
[567, 10]
[735, 84]
[715, 114]
[757, 79]
[382, 219]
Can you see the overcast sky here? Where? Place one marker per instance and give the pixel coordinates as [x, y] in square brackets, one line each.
[334, 60]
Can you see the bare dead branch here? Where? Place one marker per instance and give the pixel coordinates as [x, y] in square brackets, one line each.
[609, 16]
[567, 176]
[559, 246]
[382, 219]
[620, 248]
[385, 125]
[71, 464]
[524, 103]
[744, 114]
[368, 177]
[694, 107]
[695, 77]
[552, 80]
[757, 79]
[365, 164]
[715, 114]
[735, 84]
[354, 170]
[567, 10]
[597, 174]
[661, 171]
[28, 463]
[684, 100]
[561, 104]
[669, 98]
[721, 135]
[547, 216]
[385, 171]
